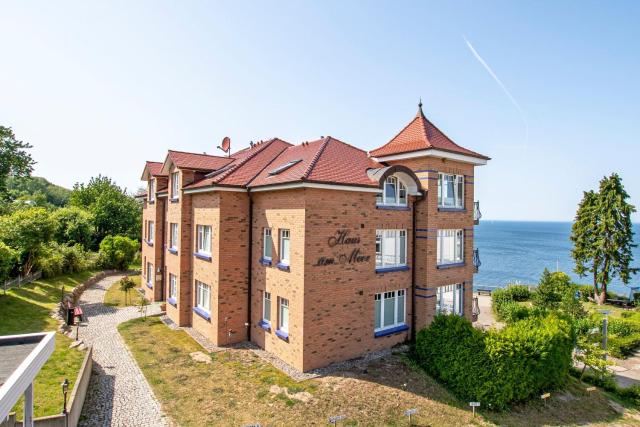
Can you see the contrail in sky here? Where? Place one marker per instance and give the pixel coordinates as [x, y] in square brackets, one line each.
[504, 88]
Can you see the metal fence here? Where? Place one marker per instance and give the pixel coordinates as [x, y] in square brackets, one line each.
[21, 280]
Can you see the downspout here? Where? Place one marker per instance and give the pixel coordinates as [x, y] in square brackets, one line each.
[249, 272]
[413, 266]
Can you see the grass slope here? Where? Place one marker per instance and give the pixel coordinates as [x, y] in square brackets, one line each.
[235, 390]
[26, 310]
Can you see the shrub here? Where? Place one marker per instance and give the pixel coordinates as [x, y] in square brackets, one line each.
[511, 311]
[8, 259]
[54, 259]
[505, 305]
[497, 367]
[117, 252]
[552, 289]
[623, 346]
[519, 292]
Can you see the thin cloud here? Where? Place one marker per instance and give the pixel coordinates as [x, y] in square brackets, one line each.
[502, 86]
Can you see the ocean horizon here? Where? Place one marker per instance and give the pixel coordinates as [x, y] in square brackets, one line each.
[519, 251]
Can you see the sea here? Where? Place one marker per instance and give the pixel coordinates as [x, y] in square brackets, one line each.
[519, 251]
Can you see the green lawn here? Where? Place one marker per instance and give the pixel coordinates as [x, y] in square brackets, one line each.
[28, 310]
[236, 389]
[114, 297]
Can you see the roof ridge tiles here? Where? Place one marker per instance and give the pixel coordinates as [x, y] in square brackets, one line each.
[315, 158]
[199, 154]
[242, 162]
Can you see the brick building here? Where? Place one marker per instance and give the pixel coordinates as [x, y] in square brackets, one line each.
[317, 252]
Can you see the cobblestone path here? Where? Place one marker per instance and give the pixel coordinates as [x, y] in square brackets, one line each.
[118, 393]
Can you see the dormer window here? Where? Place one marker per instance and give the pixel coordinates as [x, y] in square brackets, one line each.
[175, 185]
[152, 190]
[394, 193]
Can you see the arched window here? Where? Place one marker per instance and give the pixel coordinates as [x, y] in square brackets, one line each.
[394, 193]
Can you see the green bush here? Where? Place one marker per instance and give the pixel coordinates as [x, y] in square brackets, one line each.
[117, 252]
[8, 259]
[497, 367]
[623, 346]
[511, 311]
[55, 259]
[519, 292]
[505, 303]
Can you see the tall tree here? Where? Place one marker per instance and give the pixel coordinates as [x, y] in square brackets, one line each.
[603, 236]
[114, 212]
[15, 161]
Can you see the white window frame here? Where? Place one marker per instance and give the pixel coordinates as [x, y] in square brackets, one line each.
[458, 188]
[173, 237]
[282, 304]
[203, 296]
[399, 190]
[457, 237]
[266, 307]
[395, 295]
[388, 240]
[151, 231]
[266, 232]
[152, 192]
[285, 235]
[173, 286]
[150, 274]
[457, 304]
[175, 185]
[202, 238]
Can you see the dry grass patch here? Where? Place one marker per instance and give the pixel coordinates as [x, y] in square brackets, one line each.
[239, 388]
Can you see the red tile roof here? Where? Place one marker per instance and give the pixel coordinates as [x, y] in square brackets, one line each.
[421, 134]
[195, 161]
[246, 165]
[326, 160]
[155, 168]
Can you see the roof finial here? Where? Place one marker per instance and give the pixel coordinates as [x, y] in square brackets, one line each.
[420, 113]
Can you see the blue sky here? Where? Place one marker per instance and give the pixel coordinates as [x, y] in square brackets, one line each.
[102, 87]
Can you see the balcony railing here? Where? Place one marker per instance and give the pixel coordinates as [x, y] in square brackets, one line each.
[476, 213]
[476, 260]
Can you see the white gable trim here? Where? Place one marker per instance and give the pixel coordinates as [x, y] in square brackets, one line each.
[433, 153]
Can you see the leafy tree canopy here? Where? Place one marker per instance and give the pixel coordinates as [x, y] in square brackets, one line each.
[15, 161]
[26, 231]
[73, 225]
[114, 211]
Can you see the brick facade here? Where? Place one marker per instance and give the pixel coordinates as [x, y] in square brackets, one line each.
[331, 281]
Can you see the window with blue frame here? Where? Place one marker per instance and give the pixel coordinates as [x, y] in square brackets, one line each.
[394, 193]
[390, 310]
[391, 248]
[267, 244]
[449, 299]
[450, 247]
[450, 191]
[173, 286]
[266, 307]
[203, 296]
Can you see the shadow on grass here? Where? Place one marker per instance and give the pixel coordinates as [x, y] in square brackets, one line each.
[20, 316]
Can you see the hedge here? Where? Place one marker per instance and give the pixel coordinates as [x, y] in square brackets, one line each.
[496, 367]
[505, 303]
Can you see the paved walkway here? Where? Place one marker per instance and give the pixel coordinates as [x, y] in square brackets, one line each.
[118, 393]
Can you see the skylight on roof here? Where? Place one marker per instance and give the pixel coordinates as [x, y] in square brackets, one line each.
[284, 167]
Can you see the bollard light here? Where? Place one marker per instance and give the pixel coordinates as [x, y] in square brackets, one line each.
[65, 390]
